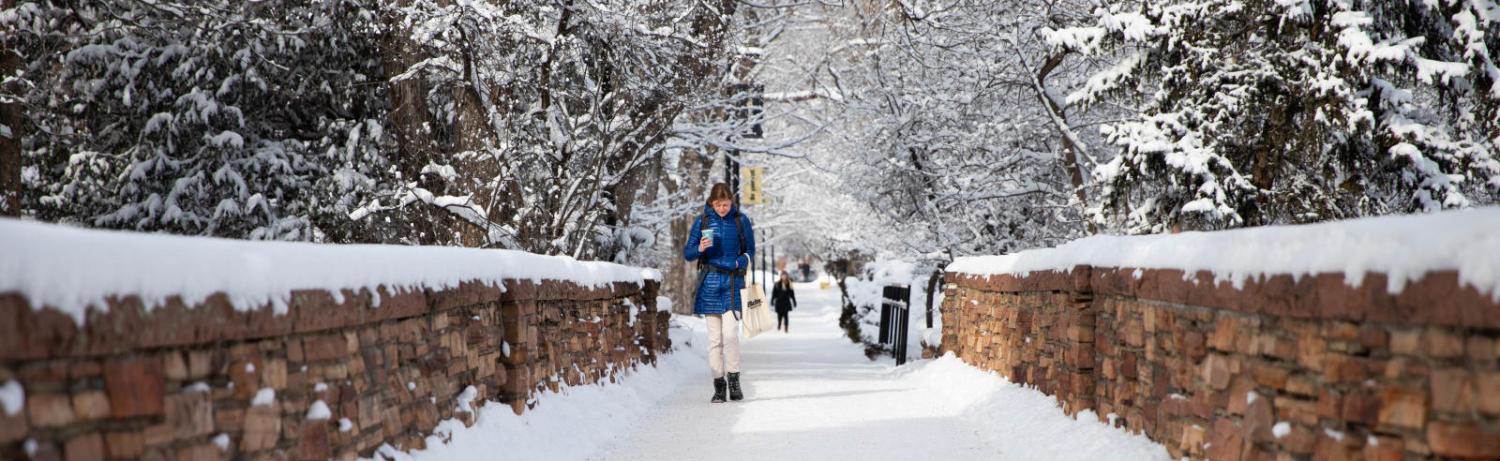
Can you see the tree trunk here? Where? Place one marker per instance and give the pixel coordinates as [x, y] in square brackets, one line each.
[10, 120]
[472, 132]
[1071, 144]
[409, 119]
[682, 276]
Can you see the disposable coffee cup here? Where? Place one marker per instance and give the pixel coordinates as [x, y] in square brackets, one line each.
[709, 234]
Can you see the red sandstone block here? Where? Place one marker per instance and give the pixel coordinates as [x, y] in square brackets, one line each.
[12, 427]
[1406, 341]
[1385, 449]
[134, 386]
[1452, 390]
[314, 444]
[200, 452]
[1465, 440]
[91, 405]
[1297, 410]
[126, 444]
[1330, 403]
[1487, 390]
[1301, 385]
[1259, 421]
[1239, 392]
[190, 414]
[317, 310]
[324, 347]
[86, 447]
[1270, 375]
[1300, 440]
[85, 369]
[396, 304]
[262, 428]
[1216, 373]
[1403, 407]
[1442, 343]
[1226, 443]
[1361, 407]
[229, 419]
[245, 374]
[50, 410]
[1374, 337]
[1331, 449]
[39, 333]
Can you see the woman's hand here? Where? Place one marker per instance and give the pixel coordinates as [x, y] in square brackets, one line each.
[704, 243]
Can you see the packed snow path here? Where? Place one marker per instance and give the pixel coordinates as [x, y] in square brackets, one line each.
[812, 394]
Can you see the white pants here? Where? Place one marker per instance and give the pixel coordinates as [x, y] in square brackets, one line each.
[723, 343]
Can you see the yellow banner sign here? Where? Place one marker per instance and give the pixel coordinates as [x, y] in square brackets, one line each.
[750, 185]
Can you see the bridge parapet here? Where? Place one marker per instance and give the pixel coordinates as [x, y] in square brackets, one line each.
[1316, 366]
[318, 374]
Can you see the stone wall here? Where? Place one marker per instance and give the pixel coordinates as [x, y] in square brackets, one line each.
[1279, 368]
[209, 382]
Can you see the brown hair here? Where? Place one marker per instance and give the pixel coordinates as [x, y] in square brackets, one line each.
[720, 191]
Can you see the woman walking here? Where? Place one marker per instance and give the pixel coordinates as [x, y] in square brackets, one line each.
[723, 244]
[783, 299]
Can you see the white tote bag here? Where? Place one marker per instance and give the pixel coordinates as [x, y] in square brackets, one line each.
[757, 316]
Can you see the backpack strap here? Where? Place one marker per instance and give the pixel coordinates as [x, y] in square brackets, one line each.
[741, 231]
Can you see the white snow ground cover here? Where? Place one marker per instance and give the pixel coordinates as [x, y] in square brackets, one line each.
[570, 424]
[74, 269]
[810, 394]
[1403, 247]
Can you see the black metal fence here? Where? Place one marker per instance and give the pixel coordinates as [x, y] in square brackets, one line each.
[895, 314]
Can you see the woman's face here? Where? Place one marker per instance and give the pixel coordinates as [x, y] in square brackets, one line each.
[721, 207]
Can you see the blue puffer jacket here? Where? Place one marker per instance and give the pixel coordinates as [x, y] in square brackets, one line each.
[719, 292]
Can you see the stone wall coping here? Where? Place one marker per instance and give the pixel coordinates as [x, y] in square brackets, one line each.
[31, 333]
[1437, 298]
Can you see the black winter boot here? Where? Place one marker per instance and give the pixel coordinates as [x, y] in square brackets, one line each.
[718, 391]
[734, 387]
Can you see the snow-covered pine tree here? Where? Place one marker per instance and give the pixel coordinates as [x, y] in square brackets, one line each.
[246, 120]
[1287, 111]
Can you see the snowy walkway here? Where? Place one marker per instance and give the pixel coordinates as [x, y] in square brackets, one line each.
[810, 394]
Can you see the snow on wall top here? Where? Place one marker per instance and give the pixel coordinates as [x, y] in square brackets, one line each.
[73, 269]
[1403, 247]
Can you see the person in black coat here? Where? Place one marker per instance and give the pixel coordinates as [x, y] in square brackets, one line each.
[783, 299]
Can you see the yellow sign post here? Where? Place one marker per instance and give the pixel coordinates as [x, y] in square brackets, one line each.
[750, 182]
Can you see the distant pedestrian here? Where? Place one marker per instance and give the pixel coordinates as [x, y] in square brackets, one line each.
[723, 243]
[784, 300]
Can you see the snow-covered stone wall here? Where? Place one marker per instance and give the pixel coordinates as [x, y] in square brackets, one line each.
[1307, 362]
[276, 369]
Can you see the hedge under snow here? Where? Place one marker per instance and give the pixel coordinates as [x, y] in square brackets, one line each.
[72, 269]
